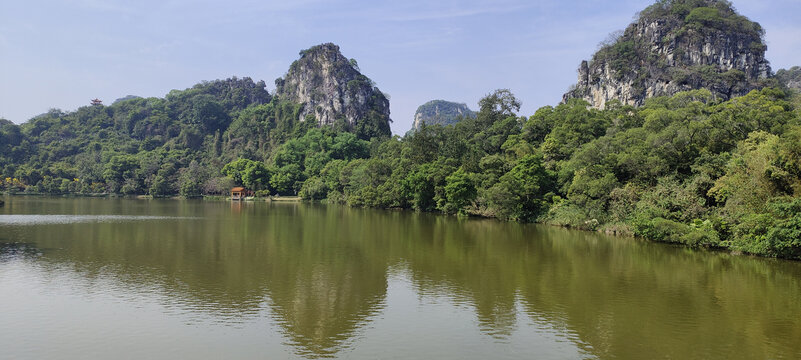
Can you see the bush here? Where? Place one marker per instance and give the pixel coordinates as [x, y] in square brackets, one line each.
[659, 229]
[705, 16]
[776, 234]
[314, 189]
[698, 233]
[569, 215]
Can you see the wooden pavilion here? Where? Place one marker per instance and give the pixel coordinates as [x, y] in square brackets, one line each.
[239, 193]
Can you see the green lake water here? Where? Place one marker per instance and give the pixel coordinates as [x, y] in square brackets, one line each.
[168, 279]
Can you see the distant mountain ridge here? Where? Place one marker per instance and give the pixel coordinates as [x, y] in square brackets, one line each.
[441, 112]
[676, 45]
[791, 78]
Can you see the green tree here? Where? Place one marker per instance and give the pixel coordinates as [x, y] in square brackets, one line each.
[314, 189]
[460, 192]
[521, 193]
[287, 180]
[257, 176]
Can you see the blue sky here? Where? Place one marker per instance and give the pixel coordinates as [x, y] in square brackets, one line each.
[61, 54]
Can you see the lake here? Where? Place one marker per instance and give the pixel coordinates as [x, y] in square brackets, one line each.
[163, 279]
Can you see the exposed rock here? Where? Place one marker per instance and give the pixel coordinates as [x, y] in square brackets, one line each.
[791, 78]
[335, 93]
[676, 45]
[441, 112]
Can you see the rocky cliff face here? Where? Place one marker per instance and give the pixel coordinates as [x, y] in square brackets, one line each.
[335, 93]
[440, 112]
[676, 45]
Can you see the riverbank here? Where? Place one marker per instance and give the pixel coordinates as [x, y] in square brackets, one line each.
[151, 197]
[621, 230]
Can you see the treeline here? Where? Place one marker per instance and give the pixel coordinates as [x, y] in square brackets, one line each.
[157, 146]
[686, 169]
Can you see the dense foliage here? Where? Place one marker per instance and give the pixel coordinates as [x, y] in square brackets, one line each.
[702, 16]
[156, 146]
[688, 169]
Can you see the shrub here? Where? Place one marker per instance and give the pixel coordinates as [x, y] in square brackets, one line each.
[776, 234]
[314, 189]
[660, 229]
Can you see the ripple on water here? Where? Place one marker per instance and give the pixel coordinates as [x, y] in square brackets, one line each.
[18, 250]
[72, 219]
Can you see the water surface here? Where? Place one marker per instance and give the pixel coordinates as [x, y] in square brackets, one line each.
[131, 279]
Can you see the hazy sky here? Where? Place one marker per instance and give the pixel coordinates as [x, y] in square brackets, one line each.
[61, 54]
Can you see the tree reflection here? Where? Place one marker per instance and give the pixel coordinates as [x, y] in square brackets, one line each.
[322, 272]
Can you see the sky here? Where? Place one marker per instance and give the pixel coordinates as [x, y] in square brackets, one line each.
[60, 54]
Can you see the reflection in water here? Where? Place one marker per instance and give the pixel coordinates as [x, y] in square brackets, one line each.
[72, 219]
[10, 251]
[321, 275]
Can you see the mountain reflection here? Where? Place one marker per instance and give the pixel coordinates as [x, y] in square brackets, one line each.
[322, 274]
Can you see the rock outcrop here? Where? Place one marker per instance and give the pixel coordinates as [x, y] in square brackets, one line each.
[676, 45]
[441, 112]
[790, 78]
[334, 93]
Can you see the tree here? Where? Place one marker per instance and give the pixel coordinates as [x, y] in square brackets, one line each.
[347, 146]
[192, 179]
[314, 189]
[776, 233]
[498, 105]
[460, 192]
[208, 113]
[521, 193]
[160, 186]
[218, 185]
[256, 176]
[287, 180]
[236, 169]
[121, 170]
[758, 173]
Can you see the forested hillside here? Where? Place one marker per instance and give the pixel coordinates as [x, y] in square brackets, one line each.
[179, 144]
[688, 168]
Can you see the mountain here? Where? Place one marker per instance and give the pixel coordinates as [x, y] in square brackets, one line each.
[180, 143]
[333, 91]
[791, 78]
[441, 112]
[127, 97]
[673, 46]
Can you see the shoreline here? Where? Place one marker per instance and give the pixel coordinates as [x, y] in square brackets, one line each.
[612, 230]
